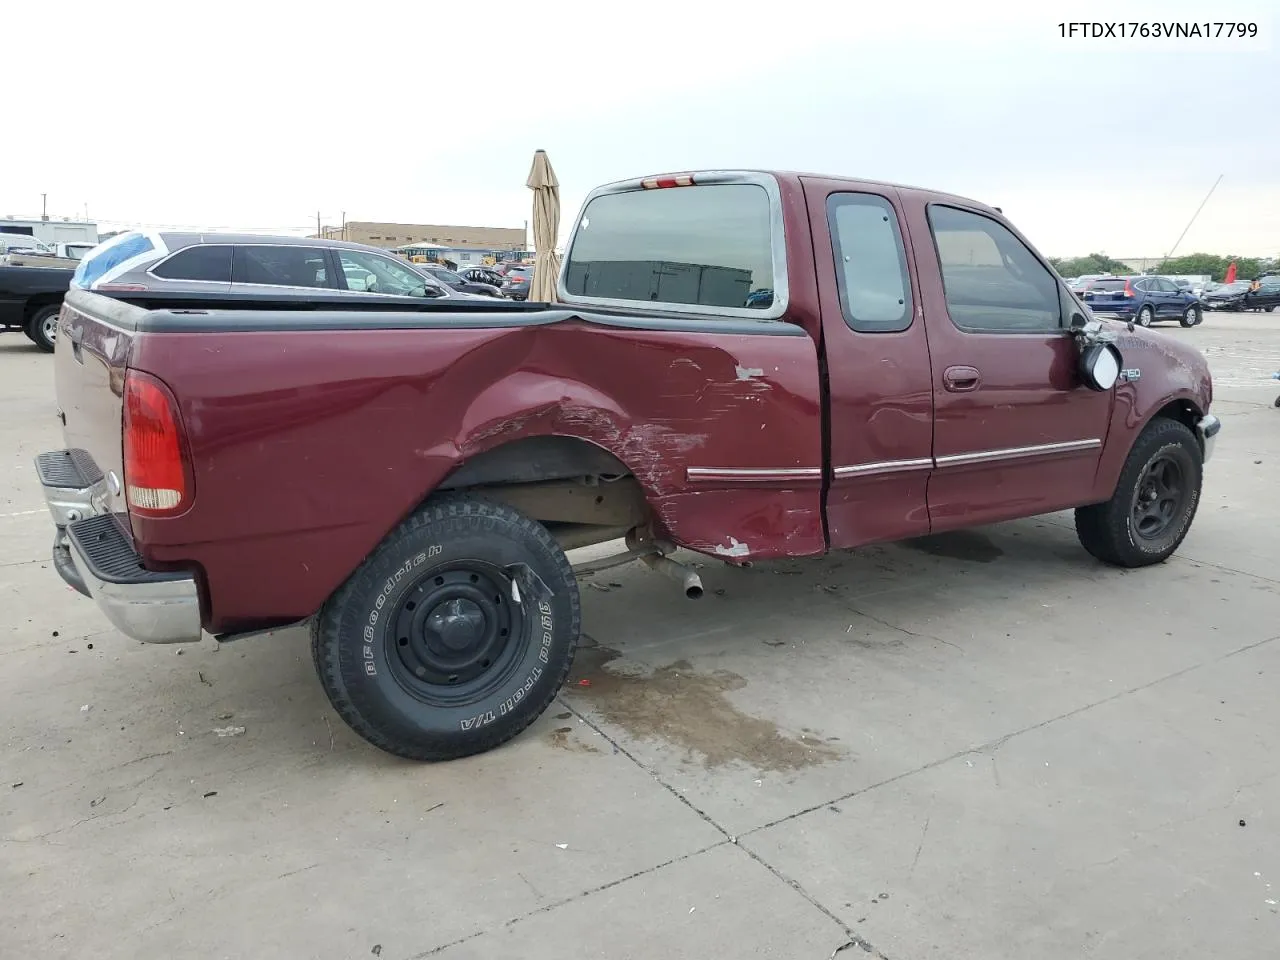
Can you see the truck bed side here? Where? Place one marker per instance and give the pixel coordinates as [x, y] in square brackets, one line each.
[309, 443]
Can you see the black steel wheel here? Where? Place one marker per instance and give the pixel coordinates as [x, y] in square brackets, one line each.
[1154, 502]
[456, 630]
[454, 635]
[1159, 497]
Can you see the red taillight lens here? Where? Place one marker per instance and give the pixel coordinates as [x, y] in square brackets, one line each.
[1128, 290]
[155, 474]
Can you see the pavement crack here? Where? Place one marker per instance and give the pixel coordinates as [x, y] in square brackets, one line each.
[893, 626]
[778, 874]
[920, 846]
[563, 901]
[991, 746]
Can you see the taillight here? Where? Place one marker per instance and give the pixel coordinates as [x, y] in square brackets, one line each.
[1128, 290]
[155, 471]
[660, 183]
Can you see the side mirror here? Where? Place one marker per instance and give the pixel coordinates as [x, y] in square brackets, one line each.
[1100, 366]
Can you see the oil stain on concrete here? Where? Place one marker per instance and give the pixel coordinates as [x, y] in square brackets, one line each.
[688, 709]
[563, 738]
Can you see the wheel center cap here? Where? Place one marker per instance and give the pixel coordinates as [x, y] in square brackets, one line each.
[458, 623]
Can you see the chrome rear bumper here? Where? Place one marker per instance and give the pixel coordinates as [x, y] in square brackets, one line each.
[93, 554]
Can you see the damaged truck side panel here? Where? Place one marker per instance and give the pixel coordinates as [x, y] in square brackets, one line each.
[308, 419]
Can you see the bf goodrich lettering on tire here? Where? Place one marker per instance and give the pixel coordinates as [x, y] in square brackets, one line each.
[454, 635]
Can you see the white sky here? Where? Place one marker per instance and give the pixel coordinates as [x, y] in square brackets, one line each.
[237, 115]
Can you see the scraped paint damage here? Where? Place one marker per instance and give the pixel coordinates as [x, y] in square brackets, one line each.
[735, 549]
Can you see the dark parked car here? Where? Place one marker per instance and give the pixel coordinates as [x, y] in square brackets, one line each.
[1241, 295]
[516, 279]
[488, 275]
[30, 298]
[1143, 300]
[457, 281]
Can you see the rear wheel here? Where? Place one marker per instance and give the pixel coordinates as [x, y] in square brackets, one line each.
[454, 635]
[1145, 316]
[42, 328]
[1193, 317]
[1154, 502]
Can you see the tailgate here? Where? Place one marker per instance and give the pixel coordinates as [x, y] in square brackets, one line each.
[90, 355]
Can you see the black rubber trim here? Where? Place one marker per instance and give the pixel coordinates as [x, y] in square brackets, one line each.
[110, 555]
[66, 567]
[170, 312]
[67, 469]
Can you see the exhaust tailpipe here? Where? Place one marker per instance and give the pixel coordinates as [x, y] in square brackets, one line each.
[687, 577]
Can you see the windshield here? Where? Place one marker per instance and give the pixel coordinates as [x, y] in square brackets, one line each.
[448, 276]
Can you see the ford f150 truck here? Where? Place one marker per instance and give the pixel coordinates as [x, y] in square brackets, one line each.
[746, 365]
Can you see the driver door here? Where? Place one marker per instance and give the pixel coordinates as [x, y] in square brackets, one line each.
[1015, 433]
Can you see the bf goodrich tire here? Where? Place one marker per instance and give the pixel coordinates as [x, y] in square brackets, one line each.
[454, 635]
[1154, 503]
[41, 328]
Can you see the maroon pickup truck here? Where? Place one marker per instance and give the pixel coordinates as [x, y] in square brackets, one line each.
[746, 365]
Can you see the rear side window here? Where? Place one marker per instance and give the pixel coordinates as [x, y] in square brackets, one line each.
[871, 264]
[210, 264]
[708, 246]
[281, 266]
[993, 282]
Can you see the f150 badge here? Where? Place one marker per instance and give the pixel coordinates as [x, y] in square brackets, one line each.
[1133, 373]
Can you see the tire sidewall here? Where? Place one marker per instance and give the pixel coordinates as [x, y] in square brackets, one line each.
[1145, 316]
[1193, 317]
[35, 328]
[1192, 468]
[367, 632]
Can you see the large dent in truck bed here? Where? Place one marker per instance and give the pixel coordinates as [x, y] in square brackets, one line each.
[309, 446]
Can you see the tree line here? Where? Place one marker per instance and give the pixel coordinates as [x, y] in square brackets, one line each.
[1193, 263]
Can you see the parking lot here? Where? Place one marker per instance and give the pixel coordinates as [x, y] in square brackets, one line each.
[977, 745]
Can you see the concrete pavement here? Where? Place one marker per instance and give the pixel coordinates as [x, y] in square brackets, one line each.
[979, 745]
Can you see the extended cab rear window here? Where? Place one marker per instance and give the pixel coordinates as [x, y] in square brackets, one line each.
[709, 246]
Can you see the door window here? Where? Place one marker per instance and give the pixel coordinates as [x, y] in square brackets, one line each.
[993, 282]
[871, 263]
[207, 264]
[281, 266]
[371, 273]
[1166, 286]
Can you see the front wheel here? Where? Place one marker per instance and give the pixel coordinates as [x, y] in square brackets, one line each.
[1145, 316]
[1154, 502]
[42, 328]
[1193, 317]
[454, 635]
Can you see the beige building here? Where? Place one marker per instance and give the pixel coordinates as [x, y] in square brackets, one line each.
[391, 235]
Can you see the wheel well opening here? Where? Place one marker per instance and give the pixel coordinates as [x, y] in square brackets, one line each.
[582, 493]
[39, 302]
[1184, 411]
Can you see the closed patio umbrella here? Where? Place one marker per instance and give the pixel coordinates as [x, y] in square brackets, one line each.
[546, 225]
